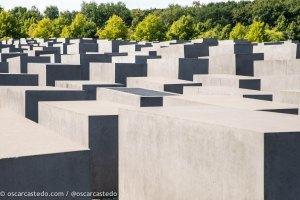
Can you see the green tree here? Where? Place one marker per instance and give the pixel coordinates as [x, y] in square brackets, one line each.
[115, 28]
[293, 31]
[58, 25]
[68, 16]
[139, 15]
[171, 14]
[238, 32]
[42, 29]
[25, 18]
[182, 29]
[80, 27]
[212, 33]
[202, 27]
[273, 35]
[268, 11]
[51, 12]
[225, 32]
[150, 29]
[8, 25]
[100, 13]
[281, 23]
[256, 32]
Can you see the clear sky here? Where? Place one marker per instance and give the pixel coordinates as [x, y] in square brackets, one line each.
[75, 4]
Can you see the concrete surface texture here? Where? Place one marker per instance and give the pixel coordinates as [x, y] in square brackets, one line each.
[201, 119]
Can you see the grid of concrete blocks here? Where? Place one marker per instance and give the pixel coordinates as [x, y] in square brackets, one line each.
[176, 120]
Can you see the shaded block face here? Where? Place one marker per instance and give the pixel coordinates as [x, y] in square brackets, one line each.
[178, 88]
[103, 142]
[253, 84]
[62, 72]
[124, 70]
[19, 79]
[292, 111]
[91, 89]
[282, 164]
[3, 67]
[189, 67]
[32, 97]
[265, 97]
[148, 98]
[132, 96]
[85, 60]
[50, 173]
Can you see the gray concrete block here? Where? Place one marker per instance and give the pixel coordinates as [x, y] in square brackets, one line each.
[89, 86]
[116, 72]
[96, 127]
[244, 82]
[160, 84]
[132, 96]
[49, 73]
[84, 60]
[20, 64]
[276, 67]
[23, 100]
[81, 48]
[33, 158]
[231, 101]
[234, 168]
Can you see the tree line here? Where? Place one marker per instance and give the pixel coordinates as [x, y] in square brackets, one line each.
[256, 21]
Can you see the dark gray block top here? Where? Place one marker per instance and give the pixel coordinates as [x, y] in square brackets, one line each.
[142, 92]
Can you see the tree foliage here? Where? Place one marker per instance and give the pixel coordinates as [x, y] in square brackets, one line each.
[115, 28]
[8, 25]
[238, 32]
[42, 29]
[80, 27]
[222, 20]
[100, 13]
[273, 35]
[51, 12]
[182, 29]
[150, 29]
[256, 32]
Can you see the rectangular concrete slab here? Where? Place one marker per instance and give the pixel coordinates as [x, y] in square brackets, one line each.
[217, 157]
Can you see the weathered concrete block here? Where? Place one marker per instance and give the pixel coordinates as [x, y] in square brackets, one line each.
[20, 64]
[24, 100]
[132, 96]
[33, 158]
[116, 72]
[234, 160]
[231, 101]
[93, 124]
[81, 48]
[49, 73]
[276, 67]
[84, 61]
[160, 84]
[288, 96]
[245, 82]
[89, 86]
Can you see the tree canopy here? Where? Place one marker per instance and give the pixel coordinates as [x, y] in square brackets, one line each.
[182, 29]
[257, 20]
[151, 28]
[80, 27]
[115, 28]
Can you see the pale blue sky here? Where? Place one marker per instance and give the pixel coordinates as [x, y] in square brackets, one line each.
[75, 4]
